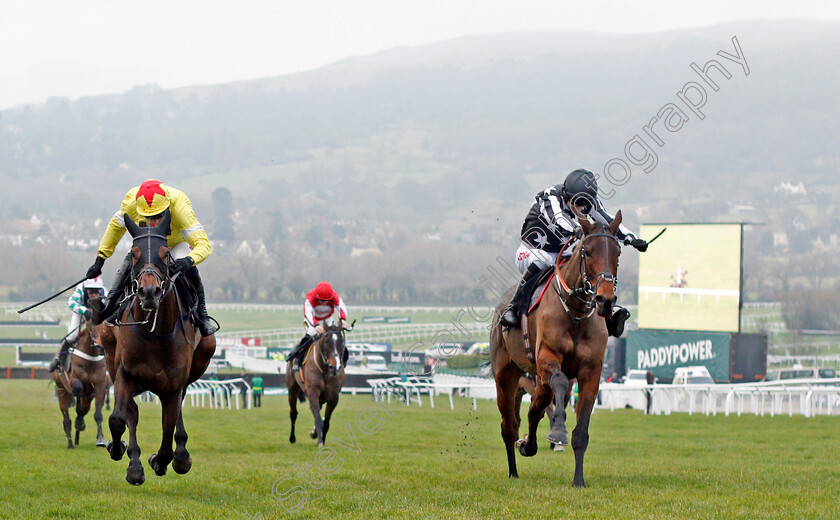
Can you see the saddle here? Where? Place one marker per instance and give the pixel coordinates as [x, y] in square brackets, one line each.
[537, 285]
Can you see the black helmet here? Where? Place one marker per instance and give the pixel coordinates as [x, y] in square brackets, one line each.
[581, 188]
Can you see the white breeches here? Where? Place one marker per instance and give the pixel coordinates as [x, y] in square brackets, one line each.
[526, 255]
[74, 327]
[180, 250]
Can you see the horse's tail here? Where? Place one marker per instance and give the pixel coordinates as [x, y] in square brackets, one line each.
[302, 396]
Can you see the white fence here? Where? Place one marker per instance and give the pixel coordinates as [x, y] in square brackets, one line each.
[387, 333]
[220, 394]
[805, 397]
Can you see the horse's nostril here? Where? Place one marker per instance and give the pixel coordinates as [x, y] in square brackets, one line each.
[600, 299]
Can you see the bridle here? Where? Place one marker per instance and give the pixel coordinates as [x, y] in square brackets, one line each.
[322, 357]
[585, 294]
[155, 267]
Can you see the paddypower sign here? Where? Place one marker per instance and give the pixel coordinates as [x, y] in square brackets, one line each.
[662, 351]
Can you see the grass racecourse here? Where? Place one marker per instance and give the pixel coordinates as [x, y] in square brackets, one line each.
[421, 463]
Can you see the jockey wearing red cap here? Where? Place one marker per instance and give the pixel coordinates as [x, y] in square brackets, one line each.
[188, 243]
[318, 307]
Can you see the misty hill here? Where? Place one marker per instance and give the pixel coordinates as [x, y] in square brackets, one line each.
[452, 140]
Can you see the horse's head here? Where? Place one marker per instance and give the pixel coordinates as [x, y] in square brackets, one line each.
[149, 269]
[332, 347]
[599, 261]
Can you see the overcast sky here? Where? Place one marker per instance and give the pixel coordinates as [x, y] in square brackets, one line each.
[76, 48]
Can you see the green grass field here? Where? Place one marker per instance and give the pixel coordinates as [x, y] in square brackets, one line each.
[424, 463]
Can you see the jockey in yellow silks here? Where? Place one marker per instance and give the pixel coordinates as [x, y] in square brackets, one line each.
[188, 242]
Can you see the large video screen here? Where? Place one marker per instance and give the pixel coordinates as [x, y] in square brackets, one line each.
[690, 277]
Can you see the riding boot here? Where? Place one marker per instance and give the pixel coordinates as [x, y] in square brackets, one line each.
[59, 359]
[294, 355]
[615, 323]
[100, 314]
[519, 302]
[205, 325]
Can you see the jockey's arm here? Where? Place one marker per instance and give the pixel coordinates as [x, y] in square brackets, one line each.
[184, 219]
[116, 228]
[623, 234]
[75, 300]
[309, 313]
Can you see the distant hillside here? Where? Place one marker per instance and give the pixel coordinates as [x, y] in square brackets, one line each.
[456, 137]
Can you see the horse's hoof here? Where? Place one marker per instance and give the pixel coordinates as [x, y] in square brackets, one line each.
[100, 442]
[80, 426]
[135, 476]
[579, 484]
[70, 446]
[182, 466]
[525, 447]
[313, 434]
[159, 471]
[320, 444]
[116, 452]
[558, 447]
[292, 439]
[558, 437]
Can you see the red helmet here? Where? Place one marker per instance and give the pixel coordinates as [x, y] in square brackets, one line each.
[324, 291]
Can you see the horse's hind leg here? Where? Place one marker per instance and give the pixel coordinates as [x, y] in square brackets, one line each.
[171, 411]
[64, 404]
[182, 461]
[293, 413]
[507, 383]
[134, 474]
[560, 386]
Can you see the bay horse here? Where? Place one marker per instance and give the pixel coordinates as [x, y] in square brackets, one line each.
[570, 336]
[86, 381]
[320, 379]
[153, 346]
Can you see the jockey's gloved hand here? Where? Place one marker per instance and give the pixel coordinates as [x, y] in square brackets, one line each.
[87, 314]
[182, 265]
[96, 269]
[639, 244]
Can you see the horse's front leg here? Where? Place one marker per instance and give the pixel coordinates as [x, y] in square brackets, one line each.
[134, 474]
[123, 391]
[171, 410]
[182, 461]
[83, 400]
[314, 395]
[331, 404]
[588, 384]
[100, 392]
[547, 364]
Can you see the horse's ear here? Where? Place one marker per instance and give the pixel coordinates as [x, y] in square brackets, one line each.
[615, 223]
[133, 228]
[164, 226]
[586, 225]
